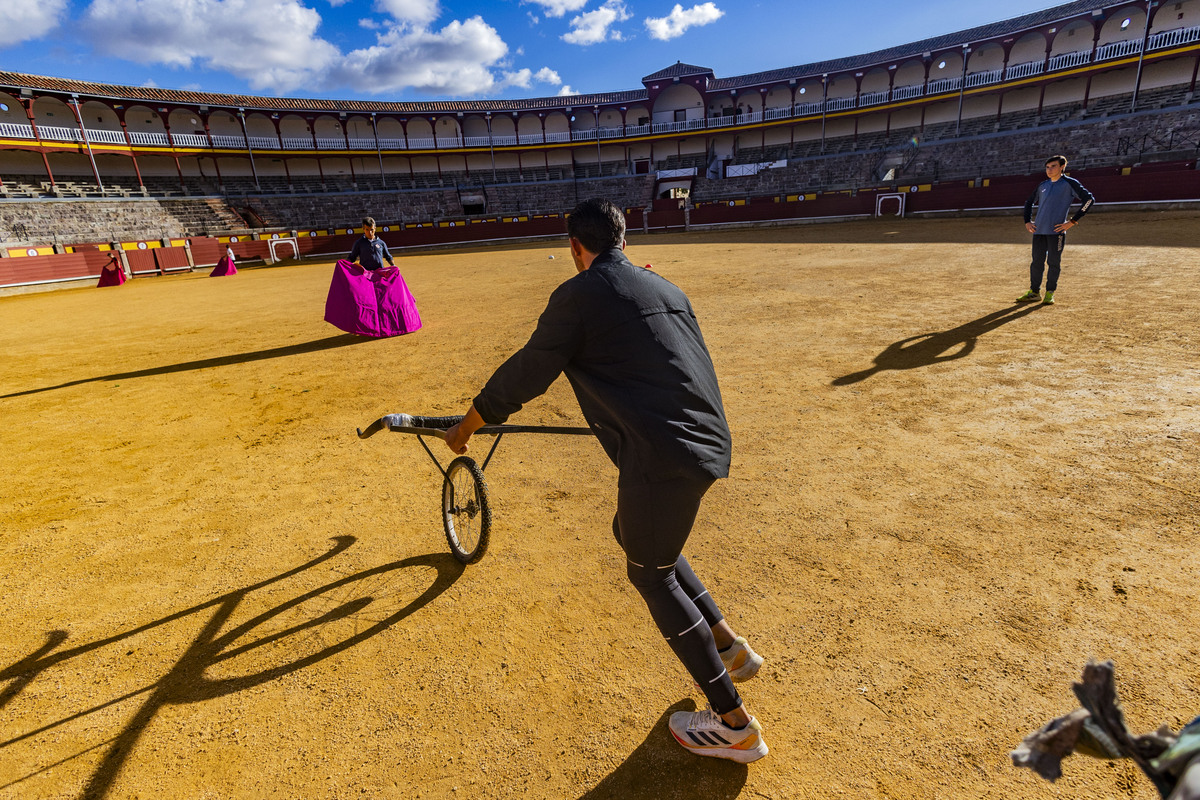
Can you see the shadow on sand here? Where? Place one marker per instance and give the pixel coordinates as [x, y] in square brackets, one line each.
[926, 349]
[189, 681]
[314, 346]
[659, 767]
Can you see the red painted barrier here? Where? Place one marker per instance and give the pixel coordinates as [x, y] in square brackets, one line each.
[65, 266]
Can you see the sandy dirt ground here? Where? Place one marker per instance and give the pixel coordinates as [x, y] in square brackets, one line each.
[941, 505]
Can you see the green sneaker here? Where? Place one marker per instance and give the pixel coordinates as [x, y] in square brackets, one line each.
[1048, 300]
[1029, 297]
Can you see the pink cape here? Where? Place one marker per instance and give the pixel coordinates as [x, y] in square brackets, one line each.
[112, 274]
[370, 303]
[223, 267]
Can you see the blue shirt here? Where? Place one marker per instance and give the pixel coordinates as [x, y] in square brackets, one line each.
[1053, 200]
[371, 253]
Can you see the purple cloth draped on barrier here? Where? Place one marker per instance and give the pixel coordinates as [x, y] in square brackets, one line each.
[370, 303]
[224, 267]
[112, 274]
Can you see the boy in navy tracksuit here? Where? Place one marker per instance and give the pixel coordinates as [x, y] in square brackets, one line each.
[1053, 198]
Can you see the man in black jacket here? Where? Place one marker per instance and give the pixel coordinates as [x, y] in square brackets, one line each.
[628, 342]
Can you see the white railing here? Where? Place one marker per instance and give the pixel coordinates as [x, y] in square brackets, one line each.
[804, 109]
[392, 144]
[585, 135]
[228, 141]
[838, 103]
[905, 92]
[362, 144]
[944, 85]
[422, 144]
[872, 98]
[748, 119]
[105, 137]
[298, 144]
[16, 130]
[1067, 60]
[558, 136]
[1174, 38]
[1118, 49]
[612, 133]
[1014, 71]
[190, 139]
[504, 141]
[984, 78]
[331, 144]
[447, 141]
[637, 130]
[530, 138]
[719, 122]
[148, 138]
[476, 141]
[265, 142]
[60, 134]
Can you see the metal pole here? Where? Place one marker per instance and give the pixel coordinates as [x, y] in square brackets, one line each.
[87, 141]
[1141, 57]
[962, 87]
[246, 133]
[375, 129]
[824, 102]
[491, 147]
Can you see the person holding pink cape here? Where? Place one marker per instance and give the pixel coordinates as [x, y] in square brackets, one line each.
[366, 298]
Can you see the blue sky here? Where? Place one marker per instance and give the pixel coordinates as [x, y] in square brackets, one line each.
[451, 49]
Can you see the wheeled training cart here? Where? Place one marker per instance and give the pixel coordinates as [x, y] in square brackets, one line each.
[466, 513]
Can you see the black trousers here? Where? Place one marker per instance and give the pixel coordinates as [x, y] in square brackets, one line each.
[652, 524]
[1046, 248]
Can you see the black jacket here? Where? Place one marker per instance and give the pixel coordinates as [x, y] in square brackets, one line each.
[631, 348]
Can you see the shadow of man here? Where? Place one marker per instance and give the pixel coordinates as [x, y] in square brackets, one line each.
[190, 679]
[926, 349]
[659, 767]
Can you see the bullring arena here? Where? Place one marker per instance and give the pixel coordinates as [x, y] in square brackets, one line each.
[942, 503]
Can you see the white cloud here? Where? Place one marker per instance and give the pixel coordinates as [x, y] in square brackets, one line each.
[272, 47]
[525, 78]
[679, 20]
[566, 91]
[420, 12]
[593, 27]
[521, 78]
[21, 20]
[557, 8]
[455, 61]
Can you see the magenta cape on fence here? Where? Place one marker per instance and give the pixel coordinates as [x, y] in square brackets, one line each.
[224, 267]
[369, 303]
[111, 275]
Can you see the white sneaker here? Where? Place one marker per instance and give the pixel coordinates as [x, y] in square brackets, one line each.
[741, 662]
[706, 734]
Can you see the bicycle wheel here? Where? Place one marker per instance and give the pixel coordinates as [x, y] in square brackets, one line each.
[466, 515]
